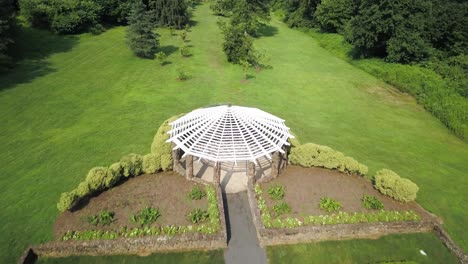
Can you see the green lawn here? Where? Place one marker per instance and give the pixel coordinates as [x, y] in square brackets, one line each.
[210, 257]
[385, 249]
[81, 101]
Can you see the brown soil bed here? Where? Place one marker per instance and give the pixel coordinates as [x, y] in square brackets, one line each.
[305, 187]
[167, 191]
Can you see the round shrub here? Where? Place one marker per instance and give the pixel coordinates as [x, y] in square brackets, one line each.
[159, 145]
[114, 174]
[313, 155]
[96, 178]
[132, 165]
[166, 162]
[151, 163]
[83, 189]
[67, 201]
[391, 184]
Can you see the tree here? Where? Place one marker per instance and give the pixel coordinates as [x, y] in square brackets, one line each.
[238, 45]
[223, 7]
[141, 38]
[300, 13]
[161, 57]
[332, 15]
[249, 14]
[7, 22]
[169, 13]
[390, 27]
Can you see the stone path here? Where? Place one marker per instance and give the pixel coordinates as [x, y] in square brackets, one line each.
[243, 245]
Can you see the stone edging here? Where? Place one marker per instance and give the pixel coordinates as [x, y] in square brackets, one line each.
[313, 233]
[132, 246]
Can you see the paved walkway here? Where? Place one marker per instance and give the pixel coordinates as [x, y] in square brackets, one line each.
[243, 246]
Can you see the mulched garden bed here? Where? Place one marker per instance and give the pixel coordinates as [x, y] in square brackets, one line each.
[305, 186]
[166, 191]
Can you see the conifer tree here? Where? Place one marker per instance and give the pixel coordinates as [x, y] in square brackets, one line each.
[141, 38]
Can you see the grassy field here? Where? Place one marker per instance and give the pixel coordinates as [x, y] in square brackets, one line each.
[81, 101]
[385, 249]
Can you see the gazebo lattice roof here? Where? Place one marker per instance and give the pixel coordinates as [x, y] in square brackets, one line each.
[229, 133]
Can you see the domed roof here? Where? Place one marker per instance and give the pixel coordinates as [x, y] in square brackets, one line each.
[229, 133]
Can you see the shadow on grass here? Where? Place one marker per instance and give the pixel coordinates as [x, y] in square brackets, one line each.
[267, 30]
[169, 49]
[31, 50]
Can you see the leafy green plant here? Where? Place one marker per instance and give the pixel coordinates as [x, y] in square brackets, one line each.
[103, 218]
[161, 57]
[185, 51]
[281, 208]
[276, 192]
[196, 193]
[146, 216]
[371, 202]
[197, 215]
[182, 74]
[391, 184]
[329, 204]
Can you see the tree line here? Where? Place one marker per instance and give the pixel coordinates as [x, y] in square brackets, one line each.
[78, 16]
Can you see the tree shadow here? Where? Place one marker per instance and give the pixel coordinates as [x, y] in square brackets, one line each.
[169, 49]
[267, 30]
[30, 52]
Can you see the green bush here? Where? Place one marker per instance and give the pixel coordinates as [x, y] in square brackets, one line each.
[313, 155]
[371, 202]
[83, 189]
[391, 184]
[329, 204]
[166, 162]
[196, 193]
[281, 208]
[67, 201]
[96, 178]
[185, 51]
[114, 174]
[132, 165]
[276, 192]
[151, 163]
[103, 218]
[159, 146]
[146, 216]
[197, 216]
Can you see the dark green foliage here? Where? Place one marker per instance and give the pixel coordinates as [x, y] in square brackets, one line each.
[281, 208]
[391, 184]
[197, 216]
[300, 13]
[7, 24]
[140, 36]
[61, 16]
[332, 15]
[390, 27]
[238, 45]
[249, 15]
[196, 193]
[169, 13]
[371, 202]
[276, 192]
[132, 165]
[146, 216]
[223, 7]
[103, 218]
[329, 204]
[67, 201]
[313, 155]
[115, 11]
[447, 28]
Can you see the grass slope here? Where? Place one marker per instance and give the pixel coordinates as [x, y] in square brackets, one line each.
[382, 250]
[83, 101]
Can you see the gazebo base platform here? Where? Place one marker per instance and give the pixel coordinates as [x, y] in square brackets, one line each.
[233, 176]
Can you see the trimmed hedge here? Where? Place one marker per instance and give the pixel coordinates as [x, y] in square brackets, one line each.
[313, 155]
[68, 200]
[151, 163]
[132, 165]
[391, 184]
[96, 178]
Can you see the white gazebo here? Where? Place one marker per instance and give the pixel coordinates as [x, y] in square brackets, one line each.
[230, 135]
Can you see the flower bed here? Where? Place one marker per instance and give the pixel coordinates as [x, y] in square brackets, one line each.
[337, 218]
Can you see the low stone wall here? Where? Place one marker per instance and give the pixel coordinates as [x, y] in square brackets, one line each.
[132, 246]
[314, 233]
